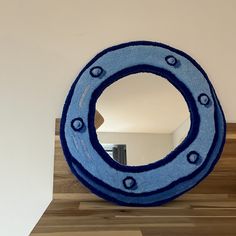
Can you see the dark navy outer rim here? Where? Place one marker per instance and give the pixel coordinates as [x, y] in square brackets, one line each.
[71, 160]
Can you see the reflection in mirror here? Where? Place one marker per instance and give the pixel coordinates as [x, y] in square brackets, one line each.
[145, 118]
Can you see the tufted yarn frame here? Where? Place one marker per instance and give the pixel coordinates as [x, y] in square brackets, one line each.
[163, 180]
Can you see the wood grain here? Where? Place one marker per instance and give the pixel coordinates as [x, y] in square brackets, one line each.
[208, 209]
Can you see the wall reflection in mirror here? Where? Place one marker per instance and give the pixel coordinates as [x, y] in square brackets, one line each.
[145, 118]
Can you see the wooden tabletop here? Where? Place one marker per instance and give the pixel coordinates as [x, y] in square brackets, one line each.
[208, 209]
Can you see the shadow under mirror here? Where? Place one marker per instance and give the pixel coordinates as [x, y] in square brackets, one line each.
[145, 118]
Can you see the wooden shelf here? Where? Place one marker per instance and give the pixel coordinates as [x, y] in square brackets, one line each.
[208, 209]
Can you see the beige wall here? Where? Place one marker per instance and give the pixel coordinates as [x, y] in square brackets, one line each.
[141, 148]
[180, 133]
[43, 46]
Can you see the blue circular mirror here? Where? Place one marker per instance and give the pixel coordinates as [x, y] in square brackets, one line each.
[159, 181]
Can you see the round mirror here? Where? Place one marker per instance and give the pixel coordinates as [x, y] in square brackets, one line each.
[142, 122]
[145, 118]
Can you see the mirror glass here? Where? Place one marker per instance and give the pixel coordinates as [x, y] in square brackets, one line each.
[144, 118]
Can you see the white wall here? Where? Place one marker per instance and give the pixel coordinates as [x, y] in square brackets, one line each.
[141, 148]
[43, 46]
[181, 132]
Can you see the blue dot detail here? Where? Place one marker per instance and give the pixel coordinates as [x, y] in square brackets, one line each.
[96, 71]
[204, 99]
[193, 157]
[171, 60]
[77, 124]
[129, 182]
